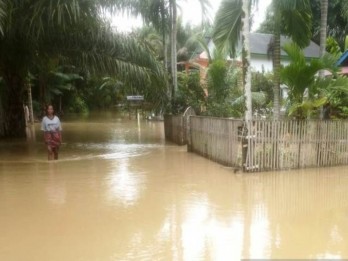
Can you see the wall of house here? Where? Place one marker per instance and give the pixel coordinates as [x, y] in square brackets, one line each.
[257, 63]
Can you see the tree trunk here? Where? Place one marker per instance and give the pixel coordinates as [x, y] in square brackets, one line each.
[246, 61]
[323, 28]
[173, 44]
[276, 68]
[165, 55]
[14, 121]
[165, 49]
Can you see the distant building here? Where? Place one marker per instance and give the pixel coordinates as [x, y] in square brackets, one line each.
[259, 45]
[260, 60]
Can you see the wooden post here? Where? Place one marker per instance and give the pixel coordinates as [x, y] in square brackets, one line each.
[244, 133]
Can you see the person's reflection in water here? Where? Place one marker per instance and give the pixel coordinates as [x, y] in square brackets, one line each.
[55, 188]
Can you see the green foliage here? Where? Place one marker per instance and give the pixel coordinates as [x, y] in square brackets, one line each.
[303, 110]
[261, 83]
[190, 93]
[217, 80]
[151, 39]
[332, 47]
[225, 110]
[199, 40]
[337, 20]
[299, 74]
[336, 91]
[300, 77]
[59, 83]
[77, 105]
[296, 20]
[224, 91]
[34, 33]
[227, 26]
[225, 94]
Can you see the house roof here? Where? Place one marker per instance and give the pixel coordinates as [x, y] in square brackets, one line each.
[259, 45]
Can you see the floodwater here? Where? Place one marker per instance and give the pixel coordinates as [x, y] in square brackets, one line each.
[120, 192]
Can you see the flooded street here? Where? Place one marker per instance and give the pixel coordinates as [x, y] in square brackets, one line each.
[120, 192]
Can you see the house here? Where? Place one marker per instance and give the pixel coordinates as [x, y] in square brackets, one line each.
[259, 45]
[258, 51]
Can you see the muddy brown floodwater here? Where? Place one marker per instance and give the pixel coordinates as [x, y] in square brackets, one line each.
[120, 192]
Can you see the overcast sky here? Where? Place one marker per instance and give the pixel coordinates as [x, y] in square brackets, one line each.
[190, 12]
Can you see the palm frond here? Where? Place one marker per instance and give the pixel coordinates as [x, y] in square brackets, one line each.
[198, 38]
[296, 19]
[100, 50]
[303, 109]
[227, 26]
[258, 98]
[289, 5]
[47, 15]
[299, 74]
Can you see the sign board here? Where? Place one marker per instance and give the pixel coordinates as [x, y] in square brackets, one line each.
[135, 98]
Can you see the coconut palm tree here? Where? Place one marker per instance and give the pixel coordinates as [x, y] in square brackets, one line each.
[70, 31]
[173, 37]
[323, 25]
[246, 60]
[231, 23]
[291, 17]
[162, 14]
[324, 4]
[336, 20]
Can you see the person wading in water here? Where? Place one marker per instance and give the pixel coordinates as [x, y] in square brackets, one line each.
[52, 132]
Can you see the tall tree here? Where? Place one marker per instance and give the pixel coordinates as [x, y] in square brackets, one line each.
[246, 60]
[162, 14]
[337, 20]
[70, 31]
[291, 18]
[173, 37]
[232, 22]
[323, 29]
[323, 25]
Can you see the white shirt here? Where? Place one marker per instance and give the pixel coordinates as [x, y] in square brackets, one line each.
[51, 125]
